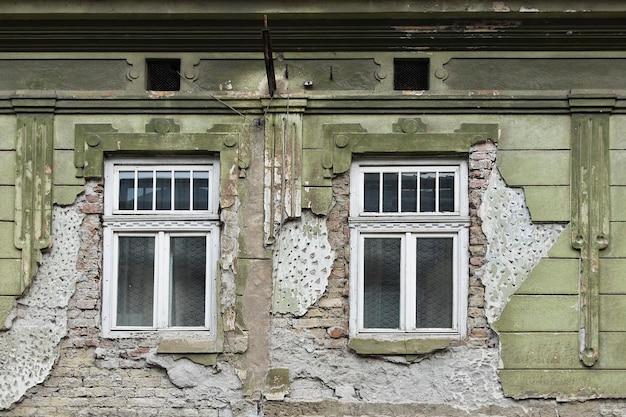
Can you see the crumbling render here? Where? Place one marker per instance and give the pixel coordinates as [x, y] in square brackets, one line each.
[514, 244]
[303, 260]
[29, 349]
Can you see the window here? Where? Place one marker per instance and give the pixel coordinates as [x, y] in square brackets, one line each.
[409, 238]
[161, 245]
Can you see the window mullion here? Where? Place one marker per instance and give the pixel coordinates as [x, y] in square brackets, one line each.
[409, 277]
[136, 186]
[162, 280]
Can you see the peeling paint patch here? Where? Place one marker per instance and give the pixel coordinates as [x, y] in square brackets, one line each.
[29, 349]
[302, 260]
[514, 244]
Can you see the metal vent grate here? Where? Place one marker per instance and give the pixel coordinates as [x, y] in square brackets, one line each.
[163, 74]
[411, 74]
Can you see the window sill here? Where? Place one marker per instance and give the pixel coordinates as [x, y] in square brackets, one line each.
[407, 346]
[189, 345]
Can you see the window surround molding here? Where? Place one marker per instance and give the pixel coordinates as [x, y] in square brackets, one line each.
[163, 136]
[409, 137]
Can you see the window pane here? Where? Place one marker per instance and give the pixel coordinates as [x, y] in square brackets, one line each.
[390, 192]
[201, 190]
[135, 281]
[381, 271]
[434, 283]
[188, 280]
[446, 191]
[427, 192]
[127, 190]
[163, 190]
[182, 190]
[409, 192]
[144, 190]
[371, 192]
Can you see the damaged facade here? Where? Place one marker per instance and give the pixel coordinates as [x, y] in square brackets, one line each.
[419, 214]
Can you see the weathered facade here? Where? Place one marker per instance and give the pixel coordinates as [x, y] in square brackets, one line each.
[349, 208]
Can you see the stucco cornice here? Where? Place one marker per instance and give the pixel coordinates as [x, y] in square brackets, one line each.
[217, 26]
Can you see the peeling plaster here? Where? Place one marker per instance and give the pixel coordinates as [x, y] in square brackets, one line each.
[218, 386]
[29, 349]
[465, 377]
[514, 244]
[302, 261]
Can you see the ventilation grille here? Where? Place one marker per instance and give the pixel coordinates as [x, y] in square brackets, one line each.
[163, 74]
[411, 74]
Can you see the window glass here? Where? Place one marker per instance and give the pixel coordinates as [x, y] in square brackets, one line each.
[381, 282]
[201, 190]
[446, 191]
[409, 192]
[163, 190]
[371, 190]
[390, 192]
[427, 192]
[182, 190]
[434, 282]
[127, 190]
[144, 190]
[135, 281]
[188, 280]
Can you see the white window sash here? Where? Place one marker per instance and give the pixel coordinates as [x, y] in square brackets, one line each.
[411, 226]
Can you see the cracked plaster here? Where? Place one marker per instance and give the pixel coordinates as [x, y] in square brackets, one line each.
[463, 376]
[514, 244]
[29, 349]
[218, 386]
[302, 262]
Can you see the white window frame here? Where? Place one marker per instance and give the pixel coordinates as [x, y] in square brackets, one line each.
[162, 225]
[409, 227]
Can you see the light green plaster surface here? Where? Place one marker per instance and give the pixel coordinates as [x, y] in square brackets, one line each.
[563, 248]
[613, 276]
[552, 276]
[64, 172]
[548, 203]
[545, 350]
[7, 167]
[545, 167]
[10, 282]
[6, 305]
[617, 248]
[618, 167]
[613, 313]
[533, 132]
[617, 138]
[563, 384]
[539, 313]
[7, 245]
[618, 203]
[65, 195]
[7, 202]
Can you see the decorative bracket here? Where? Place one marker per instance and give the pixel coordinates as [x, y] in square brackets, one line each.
[590, 210]
[33, 183]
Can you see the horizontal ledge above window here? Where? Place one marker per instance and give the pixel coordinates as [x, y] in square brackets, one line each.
[154, 223]
[452, 219]
[412, 346]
